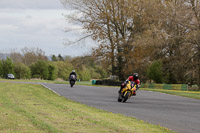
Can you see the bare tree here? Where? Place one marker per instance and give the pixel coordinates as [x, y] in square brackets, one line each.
[16, 57]
[178, 29]
[134, 33]
[193, 25]
[31, 55]
[114, 24]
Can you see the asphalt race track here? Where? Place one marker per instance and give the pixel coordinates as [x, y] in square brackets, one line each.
[174, 112]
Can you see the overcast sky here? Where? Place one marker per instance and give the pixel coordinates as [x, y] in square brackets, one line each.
[38, 24]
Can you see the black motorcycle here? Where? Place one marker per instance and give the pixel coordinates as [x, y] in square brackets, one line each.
[72, 80]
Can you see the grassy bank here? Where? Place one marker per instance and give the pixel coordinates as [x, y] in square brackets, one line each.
[48, 81]
[32, 108]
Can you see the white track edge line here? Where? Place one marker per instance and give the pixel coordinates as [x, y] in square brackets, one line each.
[50, 89]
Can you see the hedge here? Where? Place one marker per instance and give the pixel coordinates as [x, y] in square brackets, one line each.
[109, 82]
[182, 87]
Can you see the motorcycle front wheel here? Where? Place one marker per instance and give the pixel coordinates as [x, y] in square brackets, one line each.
[126, 96]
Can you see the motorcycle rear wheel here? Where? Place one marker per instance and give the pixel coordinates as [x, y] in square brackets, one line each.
[119, 99]
[72, 83]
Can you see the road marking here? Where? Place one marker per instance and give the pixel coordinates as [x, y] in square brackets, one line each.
[50, 89]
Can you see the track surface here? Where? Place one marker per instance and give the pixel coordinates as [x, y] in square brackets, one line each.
[174, 112]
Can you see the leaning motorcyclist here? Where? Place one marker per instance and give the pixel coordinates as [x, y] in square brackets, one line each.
[135, 79]
[73, 73]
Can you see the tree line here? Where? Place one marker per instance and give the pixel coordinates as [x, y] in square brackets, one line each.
[159, 39]
[32, 63]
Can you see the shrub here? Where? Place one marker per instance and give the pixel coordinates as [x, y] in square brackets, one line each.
[22, 71]
[40, 70]
[64, 69]
[52, 72]
[154, 72]
[1, 68]
[101, 71]
[8, 67]
[84, 75]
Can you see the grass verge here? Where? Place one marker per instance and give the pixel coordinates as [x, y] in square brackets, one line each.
[33, 108]
[190, 94]
[48, 81]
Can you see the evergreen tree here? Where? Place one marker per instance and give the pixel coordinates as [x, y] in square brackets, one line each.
[60, 58]
[53, 58]
[155, 72]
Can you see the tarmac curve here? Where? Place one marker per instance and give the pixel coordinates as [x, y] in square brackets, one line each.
[177, 113]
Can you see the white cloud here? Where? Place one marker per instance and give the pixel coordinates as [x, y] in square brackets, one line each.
[31, 4]
[40, 28]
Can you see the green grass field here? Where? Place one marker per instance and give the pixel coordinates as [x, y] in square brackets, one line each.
[190, 94]
[33, 108]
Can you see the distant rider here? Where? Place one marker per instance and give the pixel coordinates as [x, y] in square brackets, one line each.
[133, 78]
[73, 73]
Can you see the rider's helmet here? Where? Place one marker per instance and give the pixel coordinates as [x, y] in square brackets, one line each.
[73, 71]
[135, 76]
